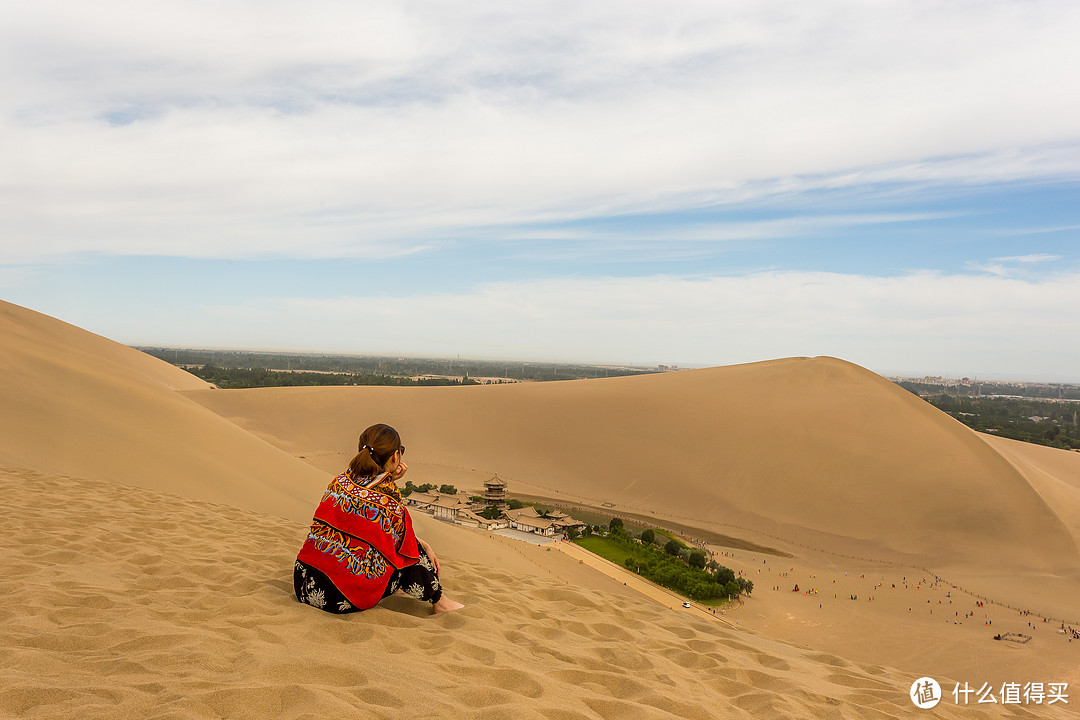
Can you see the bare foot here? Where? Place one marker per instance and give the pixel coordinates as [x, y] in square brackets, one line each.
[445, 604]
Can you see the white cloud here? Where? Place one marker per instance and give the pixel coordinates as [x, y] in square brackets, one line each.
[959, 324]
[1031, 259]
[728, 230]
[1013, 265]
[336, 129]
[1039, 230]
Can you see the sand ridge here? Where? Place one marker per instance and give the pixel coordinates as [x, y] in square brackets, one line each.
[76, 403]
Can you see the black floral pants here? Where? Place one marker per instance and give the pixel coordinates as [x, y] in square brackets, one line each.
[311, 586]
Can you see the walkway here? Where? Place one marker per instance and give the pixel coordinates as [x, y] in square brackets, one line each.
[525, 537]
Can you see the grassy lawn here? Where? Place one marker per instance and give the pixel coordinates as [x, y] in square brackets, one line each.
[605, 548]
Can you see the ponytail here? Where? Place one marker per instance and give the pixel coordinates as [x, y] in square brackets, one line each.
[377, 445]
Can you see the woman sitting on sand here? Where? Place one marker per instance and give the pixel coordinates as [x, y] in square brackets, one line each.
[361, 547]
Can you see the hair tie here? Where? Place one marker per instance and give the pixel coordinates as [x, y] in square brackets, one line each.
[370, 449]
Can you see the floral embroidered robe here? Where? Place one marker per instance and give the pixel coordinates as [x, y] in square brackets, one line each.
[360, 535]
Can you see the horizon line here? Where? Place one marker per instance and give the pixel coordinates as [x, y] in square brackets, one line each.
[654, 366]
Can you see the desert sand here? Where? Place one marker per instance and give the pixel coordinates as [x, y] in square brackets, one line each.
[151, 524]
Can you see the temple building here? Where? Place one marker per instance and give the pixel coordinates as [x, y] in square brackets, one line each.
[452, 508]
[495, 493]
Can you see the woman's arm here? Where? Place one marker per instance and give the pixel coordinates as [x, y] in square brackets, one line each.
[430, 554]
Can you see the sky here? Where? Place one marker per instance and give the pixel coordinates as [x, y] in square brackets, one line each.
[694, 183]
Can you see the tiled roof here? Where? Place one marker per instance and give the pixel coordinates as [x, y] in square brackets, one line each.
[535, 522]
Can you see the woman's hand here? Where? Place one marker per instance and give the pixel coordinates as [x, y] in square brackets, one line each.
[430, 553]
[400, 470]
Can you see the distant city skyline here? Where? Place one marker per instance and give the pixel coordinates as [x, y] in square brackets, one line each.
[698, 184]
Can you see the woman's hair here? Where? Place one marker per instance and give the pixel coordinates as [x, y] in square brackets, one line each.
[377, 445]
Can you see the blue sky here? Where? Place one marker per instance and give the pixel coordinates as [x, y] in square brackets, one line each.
[708, 183]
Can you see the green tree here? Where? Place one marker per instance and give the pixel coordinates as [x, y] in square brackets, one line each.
[448, 490]
[615, 523]
[515, 504]
[697, 559]
[648, 536]
[725, 575]
[672, 547]
[491, 513]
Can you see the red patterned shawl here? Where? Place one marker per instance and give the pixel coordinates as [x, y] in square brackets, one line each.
[360, 535]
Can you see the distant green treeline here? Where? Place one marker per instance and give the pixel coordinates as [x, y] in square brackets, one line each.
[345, 369]
[1043, 422]
[236, 378]
[991, 388]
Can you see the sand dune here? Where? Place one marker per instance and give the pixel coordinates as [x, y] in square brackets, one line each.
[148, 544]
[75, 403]
[1054, 474]
[121, 603]
[816, 451]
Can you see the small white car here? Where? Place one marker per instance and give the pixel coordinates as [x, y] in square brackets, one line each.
[686, 604]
